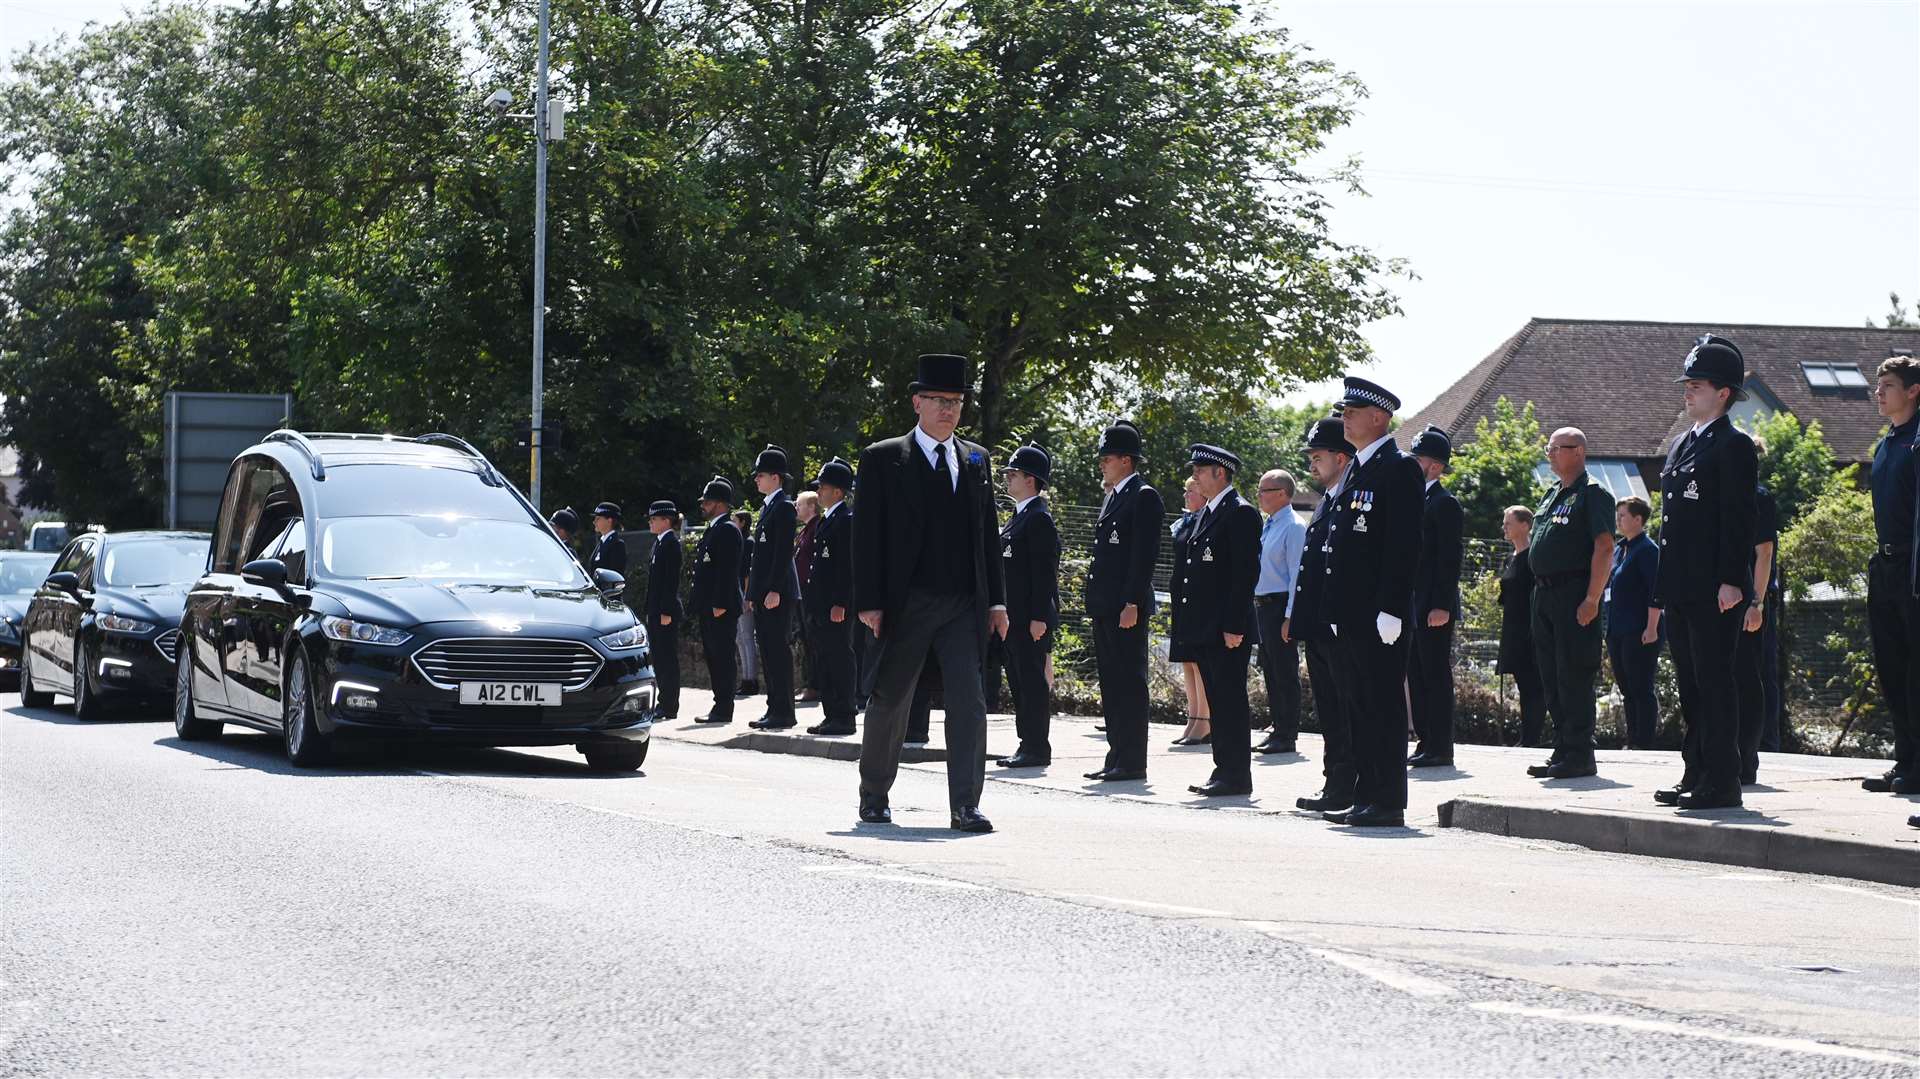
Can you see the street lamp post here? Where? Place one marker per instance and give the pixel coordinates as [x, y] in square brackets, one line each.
[539, 258]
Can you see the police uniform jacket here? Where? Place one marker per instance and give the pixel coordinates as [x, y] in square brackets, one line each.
[1030, 553]
[609, 552]
[1709, 505]
[1221, 566]
[663, 579]
[772, 569]
[1437, 585]
[889, 525]
[1126, 543]
[1308, 616]
[830, 581]
[716, 569]
[1376, 539]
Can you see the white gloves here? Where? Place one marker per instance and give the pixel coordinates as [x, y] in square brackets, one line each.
[1388, 627]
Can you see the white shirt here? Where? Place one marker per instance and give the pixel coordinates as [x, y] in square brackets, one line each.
[927, 444]
[1214, 502]
[828, 512]
[1367, 453]
[1430, 484]
[1114, 490]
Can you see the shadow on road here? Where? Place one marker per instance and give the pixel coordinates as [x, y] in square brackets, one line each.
[264, 753]
[64, 716]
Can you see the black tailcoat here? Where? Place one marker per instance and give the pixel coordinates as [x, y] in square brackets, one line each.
[889, 520]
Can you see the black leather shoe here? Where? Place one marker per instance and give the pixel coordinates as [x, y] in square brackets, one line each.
[716, 720]
[1571, 770]
[968, 819]
[1539, 771]
[1320, 803]
[1101, 727]
[1024, 760]
[874, 813]
[1119, 775]
[1704, 798]
[832, 728]
[1421, 760]
[1217, 789]
[1668, 796]
[1339, 816]
[1880, 784]
[1375, 817]
[1183, 740]
[1905, 785]
[1272, 746]
[1913, 822]
[773, 724]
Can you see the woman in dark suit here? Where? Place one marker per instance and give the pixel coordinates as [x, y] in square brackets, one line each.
[1516, 626]
[1199, 717]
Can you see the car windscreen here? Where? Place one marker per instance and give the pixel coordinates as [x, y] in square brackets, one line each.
[153, 561]
[379, 489]
[446, 548]
[21, 574]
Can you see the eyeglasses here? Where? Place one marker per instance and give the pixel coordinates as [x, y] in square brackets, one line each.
[1274, 491]
[944, 404]
[1550, 449]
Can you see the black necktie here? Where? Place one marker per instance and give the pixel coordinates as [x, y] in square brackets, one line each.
[940, 465]
[1687, 443]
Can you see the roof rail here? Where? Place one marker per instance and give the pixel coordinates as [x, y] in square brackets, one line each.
[487, 471]
[299, 442]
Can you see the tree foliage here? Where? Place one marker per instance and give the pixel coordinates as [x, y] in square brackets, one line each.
[1798, 466]
[1495, 468]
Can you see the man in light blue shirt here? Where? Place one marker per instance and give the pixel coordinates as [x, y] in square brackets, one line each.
[1280, 542]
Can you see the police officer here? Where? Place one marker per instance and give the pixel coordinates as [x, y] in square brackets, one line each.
[716, 594]
[1376, 549]
[1572, 558]
[1436, 605]
[828, 600]
[1309, 618]
[1214, 616]
[1126, 543]
[664, 612]
[1893, 573]
[566, 524]
[1708, 509]
[773, 586]
[609, 551]
[1752, 666]
[1281, 538]
[1030, 553]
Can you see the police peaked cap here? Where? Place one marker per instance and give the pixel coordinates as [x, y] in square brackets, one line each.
[836, 473]
[773, 459]
[1122, 440]
[1361, 392]
[1330, 434]
[717, 490]
[1717, 360]
[663, 508]
[1034, 461]
[1434, 443]
[607, 509]
[1203, 454]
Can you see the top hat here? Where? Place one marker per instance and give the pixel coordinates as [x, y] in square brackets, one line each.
[1034, 461]
[1122, 440]
[772, 460]
[1361, 392]
[1717, 360]
[1203, 454]
[564, 517]
[837, 473]
[1434, 443]
[1330, 434]
[717, 490]
[942, 372]
[663, 508]
[607, 509]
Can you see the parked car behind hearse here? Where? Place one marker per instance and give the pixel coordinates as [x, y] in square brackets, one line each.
[373, 586]
[21, 573]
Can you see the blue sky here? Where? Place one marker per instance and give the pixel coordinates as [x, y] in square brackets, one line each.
[1743, 163]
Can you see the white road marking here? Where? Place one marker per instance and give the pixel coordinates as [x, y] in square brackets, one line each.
[1831, 887]
[937, 882]
[1655, 1026]
[1389, 974]
[1201, 912]
[1746, 876]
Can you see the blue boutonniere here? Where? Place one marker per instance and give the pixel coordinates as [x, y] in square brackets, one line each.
[976, 458]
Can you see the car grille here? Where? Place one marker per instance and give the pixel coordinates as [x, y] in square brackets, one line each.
[169, 644]
[447, 663]
[482, 718]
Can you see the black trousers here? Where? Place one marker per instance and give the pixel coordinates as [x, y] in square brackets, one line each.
[1893, 622]
[1121, 657]
[1568, 657]
[949, 628]
[1373, 678]
[1703, 640]
[1634, 665]
[1223, 671]
[1533, 703]
[723, 671]
[1335, 727]
[1279, 669]
[831, 645]
[665, 643]
[1430, 689]
[772, 630]
[1026, 664]
[1754, 667]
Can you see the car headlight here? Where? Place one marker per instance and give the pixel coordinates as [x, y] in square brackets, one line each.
[346, 629]
[634, 636]
[122, 624]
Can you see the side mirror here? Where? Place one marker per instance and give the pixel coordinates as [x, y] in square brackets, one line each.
[609, 583]
[266, 572]
[66, 581]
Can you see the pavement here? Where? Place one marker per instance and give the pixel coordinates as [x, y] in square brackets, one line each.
[1807, 815]
[205, 908]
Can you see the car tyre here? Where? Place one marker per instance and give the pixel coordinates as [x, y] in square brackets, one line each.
[307, 745]
[87, 705]
[190, 727]
[30, 697]
[621, 758]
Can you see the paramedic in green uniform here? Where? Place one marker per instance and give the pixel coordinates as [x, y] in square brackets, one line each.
[1571, 556]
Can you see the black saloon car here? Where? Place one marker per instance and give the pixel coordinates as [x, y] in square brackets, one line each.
[104, 625]
[376, 586]
[20, 575]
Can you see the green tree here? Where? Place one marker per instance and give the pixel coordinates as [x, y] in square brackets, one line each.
[1798, 466]
[1897, 317]
[1495, 468]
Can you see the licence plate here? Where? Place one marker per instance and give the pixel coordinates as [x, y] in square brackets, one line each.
[512, 694]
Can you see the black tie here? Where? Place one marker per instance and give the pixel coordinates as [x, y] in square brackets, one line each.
[940, 465]
[1687, 443]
